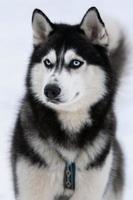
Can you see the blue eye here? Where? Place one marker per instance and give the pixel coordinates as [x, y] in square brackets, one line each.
[75, 64]
[47, 63]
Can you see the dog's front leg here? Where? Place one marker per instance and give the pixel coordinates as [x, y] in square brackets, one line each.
[91, 184]
[37, 183]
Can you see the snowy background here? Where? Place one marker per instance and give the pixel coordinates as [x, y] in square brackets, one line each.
[15, 48]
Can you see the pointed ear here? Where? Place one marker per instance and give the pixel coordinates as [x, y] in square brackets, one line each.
[94, 27]
[41, 26]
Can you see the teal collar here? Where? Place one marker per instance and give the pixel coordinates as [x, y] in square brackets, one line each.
[69, 176]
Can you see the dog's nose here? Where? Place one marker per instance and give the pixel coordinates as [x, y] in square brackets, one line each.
[52, 91]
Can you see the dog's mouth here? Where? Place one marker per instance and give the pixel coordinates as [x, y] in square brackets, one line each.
[56, 101]
[61, 101]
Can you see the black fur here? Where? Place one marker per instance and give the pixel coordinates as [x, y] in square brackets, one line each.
[45, 119]
[67, 37]
[62, 198]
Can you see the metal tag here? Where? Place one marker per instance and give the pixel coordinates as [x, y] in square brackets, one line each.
[69, 176]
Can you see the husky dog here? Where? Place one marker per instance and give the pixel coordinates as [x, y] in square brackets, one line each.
[64, 144]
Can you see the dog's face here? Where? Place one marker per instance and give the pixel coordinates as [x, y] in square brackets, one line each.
[67, 70]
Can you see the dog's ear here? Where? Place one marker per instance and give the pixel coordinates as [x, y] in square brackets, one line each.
[94, 27]
[41, 26]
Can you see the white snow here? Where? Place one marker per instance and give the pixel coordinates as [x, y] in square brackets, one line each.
[15, 48]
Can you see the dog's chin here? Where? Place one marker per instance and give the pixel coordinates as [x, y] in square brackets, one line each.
[62, 106]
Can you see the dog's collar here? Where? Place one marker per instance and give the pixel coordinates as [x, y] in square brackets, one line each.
[69, 176]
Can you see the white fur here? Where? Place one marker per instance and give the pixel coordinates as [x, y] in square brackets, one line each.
[87, 81]
[114, 31]
[97, 146]
[70, 55]
[38, 183]
[110, 195]
[51, 55]
[49, 151]
[46, 152]
[74, 121]
[37, 81]
[91, 184]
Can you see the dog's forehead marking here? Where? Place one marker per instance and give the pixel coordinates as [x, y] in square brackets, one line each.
[70, 55]
[51, 55]
[61, 58]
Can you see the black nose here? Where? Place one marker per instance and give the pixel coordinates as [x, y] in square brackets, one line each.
[52, 91]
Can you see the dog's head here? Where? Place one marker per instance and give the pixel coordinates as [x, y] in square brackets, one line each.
[69, 62]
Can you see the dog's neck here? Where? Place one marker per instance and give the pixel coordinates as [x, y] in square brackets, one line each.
[69, 129]
[74, 121]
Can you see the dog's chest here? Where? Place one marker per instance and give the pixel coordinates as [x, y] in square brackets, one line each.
[88, 184]
[75, 180]
[39, 182]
